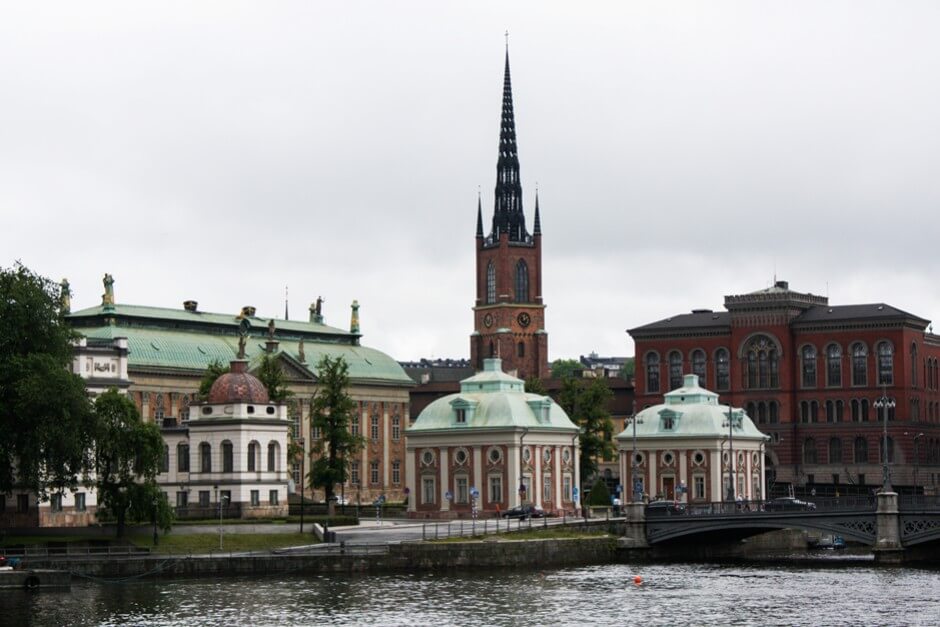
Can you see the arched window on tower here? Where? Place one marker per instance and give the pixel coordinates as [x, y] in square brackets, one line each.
[722, 369]
[492, 349]
[652, 373]
[675, 370]
[698, 366]
[521, 349]
[885, 363]
[762, 363]
[522, 282]
[859, 364]
[490, 283]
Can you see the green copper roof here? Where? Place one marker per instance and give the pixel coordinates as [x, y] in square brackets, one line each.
[492, 399]
[691, 411]
[182, 340]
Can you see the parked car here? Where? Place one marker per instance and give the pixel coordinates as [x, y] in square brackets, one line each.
[523, 512]
[787, 503]
[664, 508]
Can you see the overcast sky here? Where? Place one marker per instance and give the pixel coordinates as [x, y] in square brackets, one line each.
[683, 152]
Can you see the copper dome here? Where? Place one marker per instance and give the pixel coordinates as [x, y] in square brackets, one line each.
[238, 386]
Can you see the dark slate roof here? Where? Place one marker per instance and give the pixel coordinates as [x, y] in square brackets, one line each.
[863, 313]
[698, 319]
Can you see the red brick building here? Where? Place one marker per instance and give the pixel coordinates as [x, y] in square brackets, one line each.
[809, 374]
[509, 315]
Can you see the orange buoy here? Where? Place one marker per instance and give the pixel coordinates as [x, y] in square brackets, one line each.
[637, 580]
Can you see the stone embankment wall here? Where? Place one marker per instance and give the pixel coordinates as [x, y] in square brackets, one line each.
[409, 557]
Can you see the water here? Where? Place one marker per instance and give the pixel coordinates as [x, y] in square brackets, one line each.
[673, 594]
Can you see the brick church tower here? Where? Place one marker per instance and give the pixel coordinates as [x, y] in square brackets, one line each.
[509, 315]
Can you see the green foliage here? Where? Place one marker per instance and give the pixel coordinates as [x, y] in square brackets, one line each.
[629, 367]
[213, 372]
[46, 420]
[331, 410]
[563, 368]
[128, 453]
[600, 495]
[534, 385]
[585, 401]
[271, 375]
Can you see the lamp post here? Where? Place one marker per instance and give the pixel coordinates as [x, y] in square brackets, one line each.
[884, 404]
[636, 490]
[730, 426]
[222, 499]
[303, 455]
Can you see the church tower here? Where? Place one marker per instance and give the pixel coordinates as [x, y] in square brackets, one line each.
[509, 316]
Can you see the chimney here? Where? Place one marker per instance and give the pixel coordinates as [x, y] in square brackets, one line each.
[190, 305]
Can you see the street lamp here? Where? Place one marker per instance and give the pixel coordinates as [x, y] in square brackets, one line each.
[884, 404]
[730, 425]
[222, 499]
[637, 488]
[303, 456]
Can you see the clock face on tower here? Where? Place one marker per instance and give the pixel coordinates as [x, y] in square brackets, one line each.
[523, 319]
[488, 320]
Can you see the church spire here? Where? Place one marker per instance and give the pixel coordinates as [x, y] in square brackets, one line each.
[537, 227]
[507, 214]
[479, 216]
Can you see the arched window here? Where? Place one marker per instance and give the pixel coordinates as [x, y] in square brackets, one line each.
[273, 454]
[835, 451]
[205, 457]
[252, 456]
[864, 410]
[861, 450]
[813, 411]
[521, 349]
[762, 363]
[751, 409]
[675, 370]
[227, 457]
[762, 412]
[914, 364]
[830, 411]
[184, 407]
[492, 349]
[808, 355]
[834, 365]
[490, 283]
[182, 457]
[840, 410]
[859, 364]
[856, 411]
[652, 373]
[885, 363]
[698, 366]
[774, 412]
[809, 451]
[522, 282]
[804, 411]
[722, 369]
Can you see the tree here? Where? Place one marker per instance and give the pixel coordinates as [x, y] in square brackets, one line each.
[534, 385]
[600, 495]
[331, 410]
[46, 420]
[563, 368]
[213, 372]
[585, 401]
[128, 453]
[271, 375]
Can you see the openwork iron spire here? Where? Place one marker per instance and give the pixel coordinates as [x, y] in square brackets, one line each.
[508, 216]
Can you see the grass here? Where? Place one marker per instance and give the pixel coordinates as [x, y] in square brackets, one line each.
[176, 544]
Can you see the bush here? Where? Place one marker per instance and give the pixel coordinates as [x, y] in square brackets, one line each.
[599, 496]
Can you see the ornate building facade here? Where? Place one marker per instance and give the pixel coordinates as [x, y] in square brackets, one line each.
[811, 375]
[509, 314]
[169, 350]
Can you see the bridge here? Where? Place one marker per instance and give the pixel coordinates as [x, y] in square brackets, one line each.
[886, 522]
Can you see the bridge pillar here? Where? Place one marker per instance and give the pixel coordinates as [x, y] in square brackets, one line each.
[888, 549]
[634, 535]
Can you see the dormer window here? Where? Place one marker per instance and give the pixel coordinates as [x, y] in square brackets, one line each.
[669, 423]
[461, 416]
